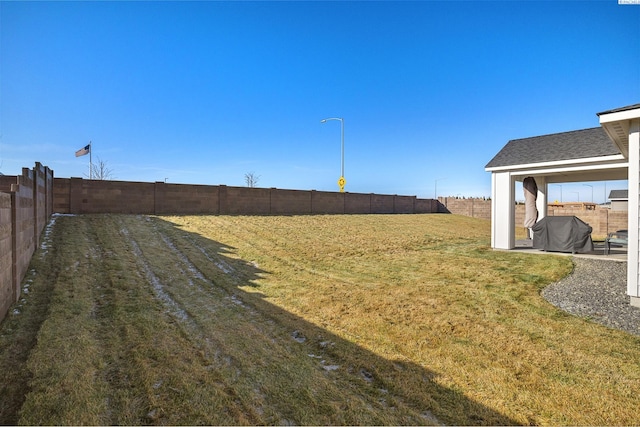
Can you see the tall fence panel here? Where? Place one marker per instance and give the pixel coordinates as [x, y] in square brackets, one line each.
[6, 254]
[76, 195]
[290, 202]
[62, 195]
[172, 198]
[93, 196]
[25, 237]
[43, 197]
[601, 219]
[382, 204]
[426, 206]
[477, 208]
[358, 203]
[404, 204]
[26, 203]
[325, 202]
[244, 201]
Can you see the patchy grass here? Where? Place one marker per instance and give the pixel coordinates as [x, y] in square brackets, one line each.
[363, 319]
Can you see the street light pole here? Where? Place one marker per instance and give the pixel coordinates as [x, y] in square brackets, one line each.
[560, 185]
[578, 193]
[435, 188]
[589, 185]
[341, 181]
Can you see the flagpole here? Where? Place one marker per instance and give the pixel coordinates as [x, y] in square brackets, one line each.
[90, 162]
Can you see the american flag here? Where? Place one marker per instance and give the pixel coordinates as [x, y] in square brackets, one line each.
[83, 151]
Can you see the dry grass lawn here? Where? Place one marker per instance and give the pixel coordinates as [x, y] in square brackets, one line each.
[362, 319]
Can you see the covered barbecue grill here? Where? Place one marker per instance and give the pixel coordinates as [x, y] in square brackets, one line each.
[562, 234]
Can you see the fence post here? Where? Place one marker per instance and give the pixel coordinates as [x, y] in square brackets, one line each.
[75, 195]
[34, 200]
[311, 201]
[14, 247]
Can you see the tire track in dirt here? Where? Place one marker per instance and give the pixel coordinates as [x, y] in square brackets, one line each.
[260, 323]
[230, 272]
[155, 282]
[316, 346]
[118, 373]
[175, 290]
[186, 269]
[218, 296]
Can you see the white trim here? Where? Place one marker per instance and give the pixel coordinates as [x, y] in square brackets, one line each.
[601, 159]
[502, 211]
[633, 250]
[583, 168]
[620, 116]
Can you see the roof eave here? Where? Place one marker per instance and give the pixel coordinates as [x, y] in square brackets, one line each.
[621, 113]
[616, 124]
[615, 159]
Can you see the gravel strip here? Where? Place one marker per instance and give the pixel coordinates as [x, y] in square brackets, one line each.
[596, 289]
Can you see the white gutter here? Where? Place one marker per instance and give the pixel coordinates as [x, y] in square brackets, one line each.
[596, 161]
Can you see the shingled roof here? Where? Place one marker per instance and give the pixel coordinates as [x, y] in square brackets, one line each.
[577, 144]
[619, 194]
[617, 110]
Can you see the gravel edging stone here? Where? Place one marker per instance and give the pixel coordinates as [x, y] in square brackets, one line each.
[596, 289]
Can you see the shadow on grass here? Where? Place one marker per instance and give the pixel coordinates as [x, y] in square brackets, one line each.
[395, 392]
[406, 384]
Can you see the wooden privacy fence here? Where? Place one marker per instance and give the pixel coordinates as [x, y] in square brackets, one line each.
[26, 203]
[78, 196]
[603, 220]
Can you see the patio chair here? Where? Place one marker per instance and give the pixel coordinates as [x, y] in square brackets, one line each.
[619, 238]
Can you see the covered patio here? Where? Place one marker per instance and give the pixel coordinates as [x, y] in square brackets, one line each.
[608, 152]
[616, 253]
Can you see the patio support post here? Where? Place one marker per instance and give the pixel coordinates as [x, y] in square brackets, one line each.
[633, 253]
[502, 211]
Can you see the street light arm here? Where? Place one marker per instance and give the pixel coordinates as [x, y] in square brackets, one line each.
[331, 118]
[589, 185]
[342, 145]
[435, 189]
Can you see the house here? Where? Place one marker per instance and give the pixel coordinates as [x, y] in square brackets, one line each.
[608, 152]
[619, 200]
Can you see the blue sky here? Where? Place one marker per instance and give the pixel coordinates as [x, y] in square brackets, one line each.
[205, 92]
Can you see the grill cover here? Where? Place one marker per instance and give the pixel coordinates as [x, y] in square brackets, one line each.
[562, 234]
